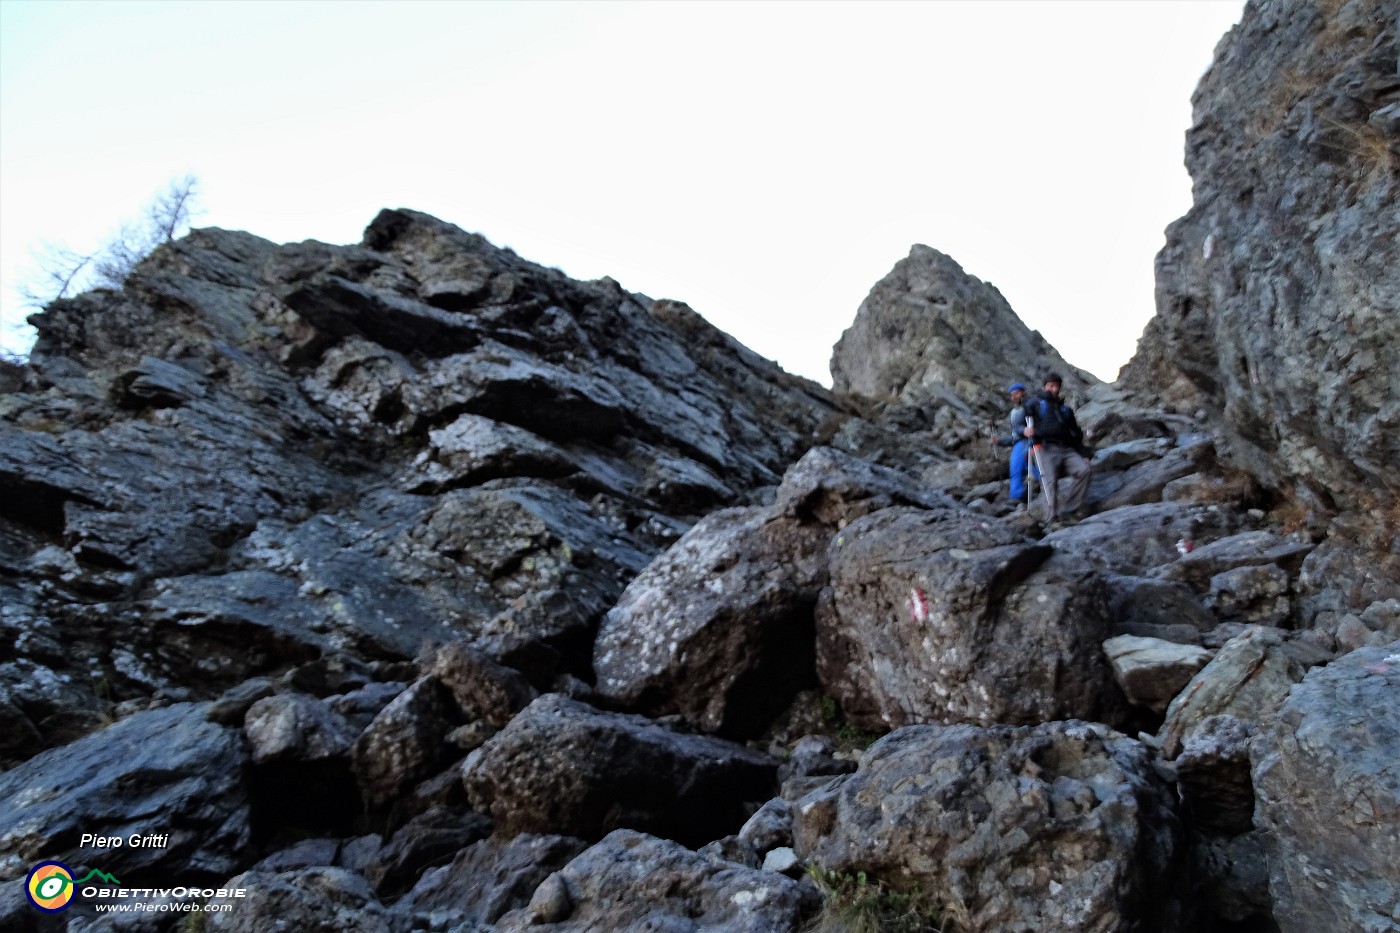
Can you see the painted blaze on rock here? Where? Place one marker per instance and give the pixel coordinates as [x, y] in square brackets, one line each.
[934, 616]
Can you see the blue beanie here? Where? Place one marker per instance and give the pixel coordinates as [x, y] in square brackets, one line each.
[1016, 386]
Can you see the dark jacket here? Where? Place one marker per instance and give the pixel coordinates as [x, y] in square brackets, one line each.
[1054, 422]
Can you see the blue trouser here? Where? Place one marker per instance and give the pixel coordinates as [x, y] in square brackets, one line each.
[1019, 453]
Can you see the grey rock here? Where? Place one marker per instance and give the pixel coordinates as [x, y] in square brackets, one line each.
[491, 877]
[320, 899]
[296, 727]
[307, 853]
[1247, 549]
[1232, 877]
[1256, 595]
[473, 449]
[564, 767]
[718, 628]
[631, 881]
[1057, 826]
[230, 708]
[1248, 678]
[1157, 609]
[814, 755]
[1270, 316]
[1332, 850]
[404, 743]
[429, 839]
[770, 827]
[935, 616]
[834, 488]
[1145, 482]
[359, 707]
[1213, 773]
[482, 688]
[165, 771]
[1152, 671]
[782, 860]
[1134, 540]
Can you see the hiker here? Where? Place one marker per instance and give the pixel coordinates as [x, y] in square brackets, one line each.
[1058, 449]
[1020, 446]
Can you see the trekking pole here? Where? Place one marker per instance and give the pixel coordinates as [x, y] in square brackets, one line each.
[1030, 495]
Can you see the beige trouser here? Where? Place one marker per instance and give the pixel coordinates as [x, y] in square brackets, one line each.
[1055, 462]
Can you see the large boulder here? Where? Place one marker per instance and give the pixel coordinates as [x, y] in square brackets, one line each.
[719, 628]
[938, 616]
[564, 767]
[1329, 796]
[1276, 292]
[166, 774]
[631, 881]
[1060, 826]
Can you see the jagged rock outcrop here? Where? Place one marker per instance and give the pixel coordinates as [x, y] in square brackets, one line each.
[1276, 293]
[930, 331]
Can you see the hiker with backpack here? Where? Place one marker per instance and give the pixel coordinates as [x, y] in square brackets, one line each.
[1058, 448]
[1020, 446]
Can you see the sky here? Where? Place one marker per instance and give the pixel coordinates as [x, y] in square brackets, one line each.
[765, 162]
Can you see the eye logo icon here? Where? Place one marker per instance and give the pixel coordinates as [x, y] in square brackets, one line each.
[50, 886]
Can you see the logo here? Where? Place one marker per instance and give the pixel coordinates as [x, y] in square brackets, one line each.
[50, 885]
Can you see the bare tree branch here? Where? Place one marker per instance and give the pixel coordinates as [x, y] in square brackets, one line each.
[61, 272]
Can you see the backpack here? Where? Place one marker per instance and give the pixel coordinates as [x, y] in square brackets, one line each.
[1057, 423]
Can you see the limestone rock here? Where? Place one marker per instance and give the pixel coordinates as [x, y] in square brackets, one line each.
[294, 726]
[427, 840]
[564, 767]
[481, 688]
[1213, 775]
[404, 744]
[1057, 826]
[1329, 796]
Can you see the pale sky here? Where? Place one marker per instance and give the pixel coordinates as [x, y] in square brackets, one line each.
[765, 162]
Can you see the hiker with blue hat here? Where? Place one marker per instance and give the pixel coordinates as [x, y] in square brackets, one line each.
[1019, 444]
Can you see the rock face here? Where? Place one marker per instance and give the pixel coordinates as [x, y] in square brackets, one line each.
[1060, 826]
[930, 330]
[1271, 313]
[1329, 796]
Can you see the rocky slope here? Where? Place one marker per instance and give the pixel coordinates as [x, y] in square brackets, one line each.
[411, 586]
